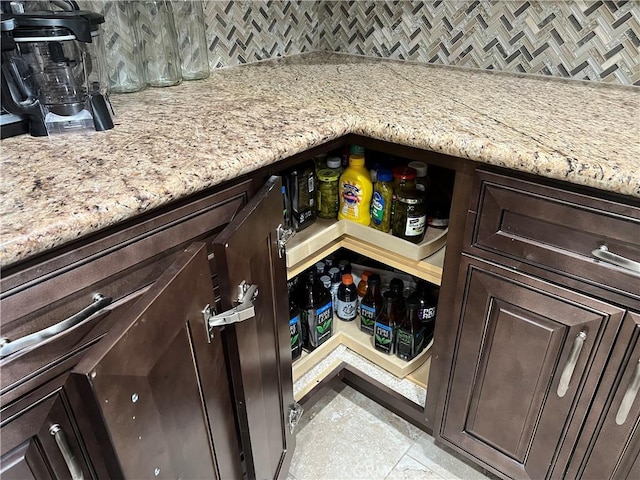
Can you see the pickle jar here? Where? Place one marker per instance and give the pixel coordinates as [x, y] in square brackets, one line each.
[409, 221]
[328, 201]
[381, 202]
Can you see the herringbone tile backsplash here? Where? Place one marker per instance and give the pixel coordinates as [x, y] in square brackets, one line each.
[583, 39]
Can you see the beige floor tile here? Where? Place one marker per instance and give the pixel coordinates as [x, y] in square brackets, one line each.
[347, 436]
[409, 468]
[442, 461]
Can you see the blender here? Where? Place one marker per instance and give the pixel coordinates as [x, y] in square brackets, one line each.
[56, 74]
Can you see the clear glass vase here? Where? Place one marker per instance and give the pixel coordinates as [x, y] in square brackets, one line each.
[192, 40]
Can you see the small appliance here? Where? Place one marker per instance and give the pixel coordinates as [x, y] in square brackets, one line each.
[53, 71]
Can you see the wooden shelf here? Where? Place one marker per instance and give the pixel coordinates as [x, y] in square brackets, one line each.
[349, 335]
[424, 260]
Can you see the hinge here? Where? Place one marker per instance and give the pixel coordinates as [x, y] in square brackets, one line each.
[243, 310]
[284, 234]
[295, 414]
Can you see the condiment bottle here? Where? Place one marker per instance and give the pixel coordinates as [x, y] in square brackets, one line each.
[381, 202]
[316, 312]
[410, 218]
[371, 304]
[384, 333]
[347, 308]
[295, 330]
[355, 192]
[410, 333]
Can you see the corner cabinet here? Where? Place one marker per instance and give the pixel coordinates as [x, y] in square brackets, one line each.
[541, 340]
[161, 386]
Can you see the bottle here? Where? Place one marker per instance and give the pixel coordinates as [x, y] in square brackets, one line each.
[347, 308]
[192, 41]
[381, 202]
[425, 295]
[160, 43]
[326, 281]
[403, 178]
[396, 287]
[410, 333]
[320, 268]
[362, 284]
[295, 330]
[355, 192]
[316, 312]
[386, 324]
[371, 304]
[438, 207]
[336, 279]
[328, 179]
[422, 180]
[410, 216]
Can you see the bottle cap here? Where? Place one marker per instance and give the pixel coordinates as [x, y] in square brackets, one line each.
[326, 281]
[404, 173]
[356, 149]
[334, 162]
[365, 275]
[328, 175]
[420, 168]
[384, 175]
[356, 160]
[347, 279]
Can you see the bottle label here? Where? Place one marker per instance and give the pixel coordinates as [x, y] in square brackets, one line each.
[352, 198]
[409, 345]
[415, 226]
[377, 208]
[427, 314]
[367, 318]
[296, 336]
[347, 310]
[320, 327]
[383, 337]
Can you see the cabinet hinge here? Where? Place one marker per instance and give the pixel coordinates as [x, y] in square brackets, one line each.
[243, 310]
[284, 234]
[295, 414]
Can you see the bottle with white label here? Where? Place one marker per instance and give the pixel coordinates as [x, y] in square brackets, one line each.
[410, 218]
[347, 305]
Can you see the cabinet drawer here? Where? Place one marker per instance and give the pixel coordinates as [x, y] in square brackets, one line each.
[116, 265]
[528, 223]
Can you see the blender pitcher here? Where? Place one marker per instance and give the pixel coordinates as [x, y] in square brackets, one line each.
[60, 60]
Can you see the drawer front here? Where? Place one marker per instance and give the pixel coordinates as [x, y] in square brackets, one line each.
[547, 227]
[116, 266]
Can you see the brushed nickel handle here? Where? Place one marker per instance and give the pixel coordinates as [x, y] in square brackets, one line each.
[7, 347]
[567, 373]
[603, 253]
[629, 396]
[69, 458]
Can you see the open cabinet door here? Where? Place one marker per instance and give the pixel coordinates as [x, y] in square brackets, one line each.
[155, 395]
[259, 349]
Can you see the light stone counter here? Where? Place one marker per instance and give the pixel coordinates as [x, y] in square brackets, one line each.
[169, 143]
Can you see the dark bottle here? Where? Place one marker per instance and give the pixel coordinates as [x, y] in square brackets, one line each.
[316, 312]
[410, 333]
[371, 304]
[384, 333]
[347, 308]
[428, 299]
[396, 286]
[295, 330]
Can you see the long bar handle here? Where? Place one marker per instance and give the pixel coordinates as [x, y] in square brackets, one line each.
[65, 449]
[567, 373]
[8, 347]
[603, 253]
[629, 396]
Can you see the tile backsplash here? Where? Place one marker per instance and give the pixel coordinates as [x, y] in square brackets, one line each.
[586, 40]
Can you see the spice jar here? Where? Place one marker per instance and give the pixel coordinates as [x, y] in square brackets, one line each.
[409, 221]
[328, 200]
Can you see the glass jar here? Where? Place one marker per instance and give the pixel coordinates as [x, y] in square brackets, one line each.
[403, 178]
[328, 199]
[192, 41]
[409, 221]
[382, 200]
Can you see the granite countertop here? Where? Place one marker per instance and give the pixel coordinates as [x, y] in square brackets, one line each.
[172, 142]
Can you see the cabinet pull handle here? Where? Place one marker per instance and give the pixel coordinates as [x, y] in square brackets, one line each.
[567, 373]
[8, 347]
[629, 397]
[603, 253]
[69, 458]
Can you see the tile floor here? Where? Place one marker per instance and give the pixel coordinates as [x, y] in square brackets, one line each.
[348, 436]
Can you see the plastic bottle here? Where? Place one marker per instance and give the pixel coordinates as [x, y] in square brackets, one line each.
[396, 287]
[347, 308]
[381, 202]
[295, 330]
[410, 333]
[336, 279]
[384, 333]
[316, 312]
[422, 180]
[428, 301]
[355, 191]
[371, 304]
[362, 284]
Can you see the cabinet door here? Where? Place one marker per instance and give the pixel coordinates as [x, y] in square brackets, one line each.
[260, 349]
[612, 451]
[156, 391]
[40, 437]
[527, 361]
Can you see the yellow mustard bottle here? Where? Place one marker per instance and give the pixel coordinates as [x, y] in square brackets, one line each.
[355, 191]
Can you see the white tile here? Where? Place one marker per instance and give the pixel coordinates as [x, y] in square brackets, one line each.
[348, 436]
[409, 468]
[443, 462]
